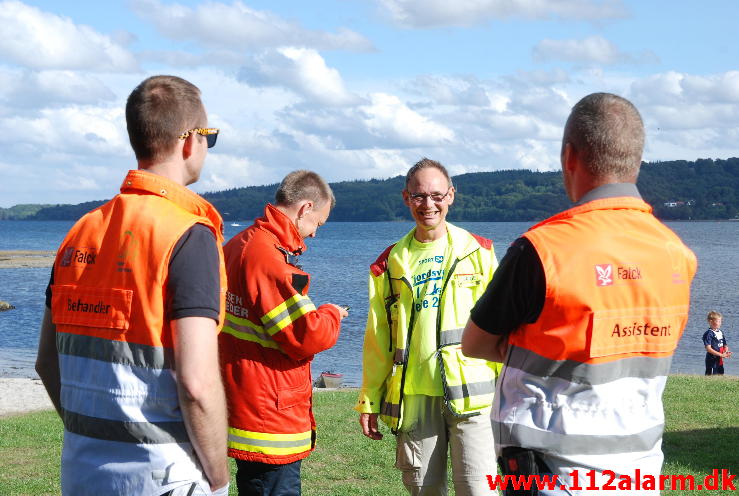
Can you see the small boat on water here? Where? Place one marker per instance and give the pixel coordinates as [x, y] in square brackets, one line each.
[235, 224]
[329, 380]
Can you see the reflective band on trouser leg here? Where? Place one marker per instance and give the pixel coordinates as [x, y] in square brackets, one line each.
[270, 444]
[248, 331]
[286, 313]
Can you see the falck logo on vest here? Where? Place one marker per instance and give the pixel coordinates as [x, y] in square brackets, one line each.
[603, 275]
[80, 256]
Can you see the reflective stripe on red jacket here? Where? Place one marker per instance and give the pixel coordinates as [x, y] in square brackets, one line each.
[118, 387]
[271, 333]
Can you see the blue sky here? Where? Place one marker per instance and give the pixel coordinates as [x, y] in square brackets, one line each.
[355, 89]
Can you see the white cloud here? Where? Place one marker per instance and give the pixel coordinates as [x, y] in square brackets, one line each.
[450, 90]
[593, 49]
[672, 87]
[386, 117]
[436, 13]
[382, 121]
[36, 39]
[60, 133]
[302, 70]
[32, 90]
[224, 171]
[237, 27]
[675, 101]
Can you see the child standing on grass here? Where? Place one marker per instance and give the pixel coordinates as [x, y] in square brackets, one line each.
[715, 343]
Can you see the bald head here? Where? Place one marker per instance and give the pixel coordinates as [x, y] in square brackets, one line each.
[607, 133]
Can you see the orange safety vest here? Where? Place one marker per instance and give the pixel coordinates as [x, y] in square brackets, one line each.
[271, 333]
[124, 431]
[583, 384]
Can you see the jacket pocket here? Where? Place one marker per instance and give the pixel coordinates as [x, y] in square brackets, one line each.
[290, 397]
[107, 308]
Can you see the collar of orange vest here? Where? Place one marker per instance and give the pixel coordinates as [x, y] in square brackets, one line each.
[280, 225]
[143, 182]
[614, 203]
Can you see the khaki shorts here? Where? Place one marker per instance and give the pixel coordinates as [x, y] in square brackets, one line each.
[429, 431]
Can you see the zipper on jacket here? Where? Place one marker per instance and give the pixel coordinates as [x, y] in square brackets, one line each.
[404, 362]
[440, 359]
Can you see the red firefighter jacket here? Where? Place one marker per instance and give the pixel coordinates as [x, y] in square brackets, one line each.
[271, 333]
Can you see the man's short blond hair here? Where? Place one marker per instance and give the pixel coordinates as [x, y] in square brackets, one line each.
[304, 185]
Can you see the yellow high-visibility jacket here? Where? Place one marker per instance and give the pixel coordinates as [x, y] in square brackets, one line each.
[468, 383]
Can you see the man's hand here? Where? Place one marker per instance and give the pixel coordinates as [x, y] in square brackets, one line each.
[342, 311]
[368, 421]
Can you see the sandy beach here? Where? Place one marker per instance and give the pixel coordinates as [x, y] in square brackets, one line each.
[22, 396]
[14, 259]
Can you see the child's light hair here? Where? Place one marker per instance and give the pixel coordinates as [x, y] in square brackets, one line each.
[713, 315]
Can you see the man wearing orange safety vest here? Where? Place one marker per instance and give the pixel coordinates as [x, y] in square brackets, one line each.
[585, 311]
[272, 331]
[128, 347]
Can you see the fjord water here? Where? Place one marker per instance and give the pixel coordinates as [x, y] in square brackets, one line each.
[338, 260]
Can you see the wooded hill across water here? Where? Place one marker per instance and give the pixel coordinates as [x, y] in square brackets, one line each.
[705, 189]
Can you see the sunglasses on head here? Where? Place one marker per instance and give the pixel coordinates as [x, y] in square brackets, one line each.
[210, 133]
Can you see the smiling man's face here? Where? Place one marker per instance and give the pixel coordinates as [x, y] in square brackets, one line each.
[428, 197]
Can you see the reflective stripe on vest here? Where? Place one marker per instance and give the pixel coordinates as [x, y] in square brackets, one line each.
[270, 444]
[125, 431]
[451, 336]
[581, 444]
[138, 355]
[585, 373]
[248, 331]
[286, 313]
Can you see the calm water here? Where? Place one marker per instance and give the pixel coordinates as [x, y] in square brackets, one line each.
[338, 260]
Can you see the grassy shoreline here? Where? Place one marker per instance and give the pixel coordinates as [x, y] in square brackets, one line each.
[701, 434]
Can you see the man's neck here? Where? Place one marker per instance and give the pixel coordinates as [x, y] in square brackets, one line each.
[169, 169]
[430, 235]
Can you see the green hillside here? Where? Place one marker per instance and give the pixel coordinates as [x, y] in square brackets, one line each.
[678, 190]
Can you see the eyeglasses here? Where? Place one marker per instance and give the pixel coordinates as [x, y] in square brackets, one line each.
[419, 198]
[210, 133]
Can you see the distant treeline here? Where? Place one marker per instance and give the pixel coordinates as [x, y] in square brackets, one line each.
[678, 190]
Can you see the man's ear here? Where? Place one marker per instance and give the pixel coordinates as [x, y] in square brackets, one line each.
[451, 195]
[406, 198]
[305, 208]
[569, 156]
[187, 146]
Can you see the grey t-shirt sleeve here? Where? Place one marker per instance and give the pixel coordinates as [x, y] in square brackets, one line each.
[515, 295]
[194, 279]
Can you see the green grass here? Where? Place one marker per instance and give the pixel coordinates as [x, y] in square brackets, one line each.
[702, 434]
